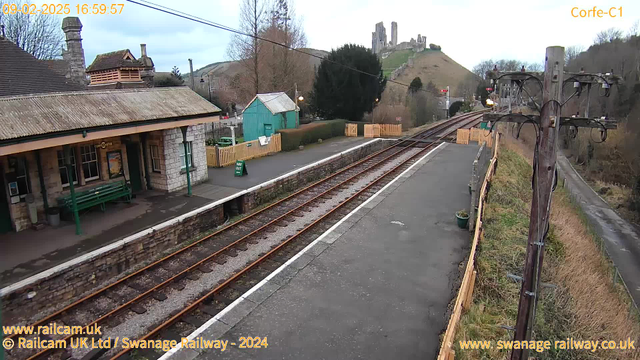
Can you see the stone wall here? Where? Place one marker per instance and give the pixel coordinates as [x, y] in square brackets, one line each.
[74, 281]
[70, 283]
[300, 179]
[175, 174]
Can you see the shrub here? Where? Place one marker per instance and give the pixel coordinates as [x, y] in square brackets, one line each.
[310, 133]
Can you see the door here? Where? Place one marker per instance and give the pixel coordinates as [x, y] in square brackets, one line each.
[5, 216]
[133, 158]
[268, 130]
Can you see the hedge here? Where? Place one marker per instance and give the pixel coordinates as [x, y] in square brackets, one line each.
[310, 133]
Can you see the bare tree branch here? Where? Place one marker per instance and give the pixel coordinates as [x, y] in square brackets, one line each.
[38, 34]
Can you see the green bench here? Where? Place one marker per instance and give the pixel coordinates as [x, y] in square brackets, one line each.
[98, 195]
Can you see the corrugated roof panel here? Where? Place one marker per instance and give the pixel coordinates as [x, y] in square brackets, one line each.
[277, 102]
[31, 115]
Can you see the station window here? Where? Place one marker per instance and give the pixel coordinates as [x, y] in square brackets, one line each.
[64, 178]
[155, 157]
[22, 177]
[189, 155]
[89, 158]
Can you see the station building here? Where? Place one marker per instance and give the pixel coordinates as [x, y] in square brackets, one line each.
[59, 131]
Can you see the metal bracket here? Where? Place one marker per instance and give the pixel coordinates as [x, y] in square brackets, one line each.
[517, 278]
[507, 327]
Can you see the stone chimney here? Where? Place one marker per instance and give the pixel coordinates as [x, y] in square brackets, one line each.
[149, 70]
[74, 55]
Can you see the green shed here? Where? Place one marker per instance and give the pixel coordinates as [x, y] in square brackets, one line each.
[268, 113]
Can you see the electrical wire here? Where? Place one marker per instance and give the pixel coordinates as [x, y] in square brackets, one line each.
[193, 18]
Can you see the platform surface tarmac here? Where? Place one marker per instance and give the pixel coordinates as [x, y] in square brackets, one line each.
[377, 287]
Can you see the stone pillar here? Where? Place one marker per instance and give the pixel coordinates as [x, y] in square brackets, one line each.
[74, 55]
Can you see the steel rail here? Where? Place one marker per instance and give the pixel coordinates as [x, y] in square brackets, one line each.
[197, 302]
[182, 273]
[227, 247]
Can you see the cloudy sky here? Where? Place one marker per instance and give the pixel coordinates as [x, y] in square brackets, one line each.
[468, 31]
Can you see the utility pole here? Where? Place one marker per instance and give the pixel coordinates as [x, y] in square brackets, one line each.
[543, 182]
[547, 126]
[193, 86]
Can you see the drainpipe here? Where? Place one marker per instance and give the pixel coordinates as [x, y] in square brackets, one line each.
[74, 205]
[186, 158]
[147, 176]
[43, 189]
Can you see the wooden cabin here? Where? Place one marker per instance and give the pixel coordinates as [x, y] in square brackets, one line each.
[118, 68]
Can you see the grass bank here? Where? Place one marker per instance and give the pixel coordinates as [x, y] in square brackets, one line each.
[585, 305]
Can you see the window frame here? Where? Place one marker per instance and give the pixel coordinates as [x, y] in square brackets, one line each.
[183, 166]
[96, 160]
[23, 160]
[155, 158]
[74, 163]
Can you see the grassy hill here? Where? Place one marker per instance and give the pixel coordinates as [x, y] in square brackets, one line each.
[395, 60]
[429, 65]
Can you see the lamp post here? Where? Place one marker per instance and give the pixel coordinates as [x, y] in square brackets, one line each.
[298, 98]
[208, 84]
[373, 111]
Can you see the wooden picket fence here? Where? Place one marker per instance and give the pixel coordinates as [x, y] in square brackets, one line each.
[371, 130]
[351, 130]
[465, 293]
[244, 151]
[463, 136]
[377, 130]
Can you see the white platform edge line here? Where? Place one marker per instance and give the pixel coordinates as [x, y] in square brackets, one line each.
[59, 268]
[257, 286]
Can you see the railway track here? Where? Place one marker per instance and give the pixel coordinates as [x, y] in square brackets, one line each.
[173, 295]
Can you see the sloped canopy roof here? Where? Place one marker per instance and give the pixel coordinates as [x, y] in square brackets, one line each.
[114, 60]
[277, 102]
[31, 115]
[21, 73]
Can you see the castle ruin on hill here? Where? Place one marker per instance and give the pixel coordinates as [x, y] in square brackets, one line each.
[379, 43]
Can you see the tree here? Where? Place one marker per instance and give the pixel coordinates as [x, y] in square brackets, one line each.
[571, 53]
[455, 107]
[416, 85]
[341, 92]
[175, 73]
[282, 66]
[481, 68]
[482, 93]
[245, 49]
[38, 34]
[174, 79]
[609, 35]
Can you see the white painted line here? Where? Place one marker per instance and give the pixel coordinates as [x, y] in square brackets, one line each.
[257, 286]
[120, 243]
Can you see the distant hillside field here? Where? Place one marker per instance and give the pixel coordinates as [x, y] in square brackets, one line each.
[231, 68]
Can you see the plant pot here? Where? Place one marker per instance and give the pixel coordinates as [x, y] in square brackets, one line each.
[462, 221]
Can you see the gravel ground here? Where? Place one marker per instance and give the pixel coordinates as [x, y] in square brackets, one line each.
[136, 325]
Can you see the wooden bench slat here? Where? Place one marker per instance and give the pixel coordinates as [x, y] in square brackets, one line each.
[98, 195]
